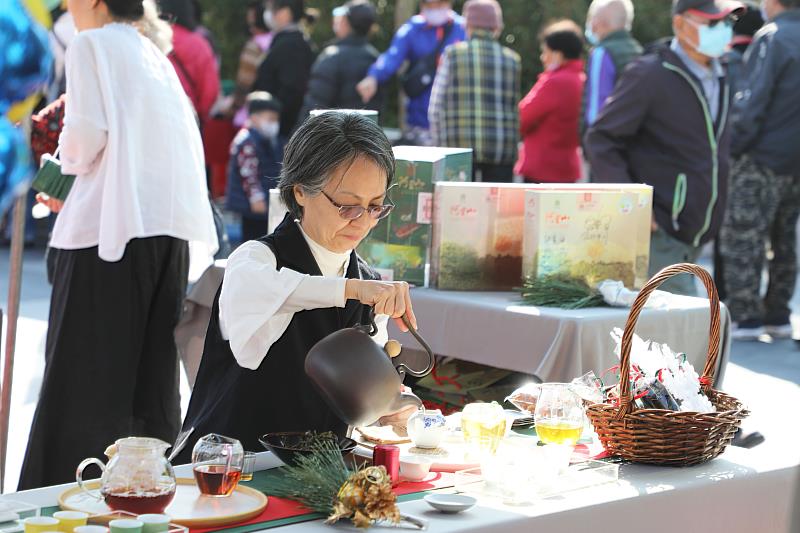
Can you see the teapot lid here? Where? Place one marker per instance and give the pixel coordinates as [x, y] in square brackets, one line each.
[142, 444]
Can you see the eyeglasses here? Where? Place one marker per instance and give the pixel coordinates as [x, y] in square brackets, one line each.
[352, 212]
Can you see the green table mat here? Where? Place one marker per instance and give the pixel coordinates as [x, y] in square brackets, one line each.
[262, 481]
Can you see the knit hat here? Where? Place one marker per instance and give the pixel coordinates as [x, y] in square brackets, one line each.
[483, 14]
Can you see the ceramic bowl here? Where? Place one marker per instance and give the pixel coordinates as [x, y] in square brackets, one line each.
[285, 445]
[414, 468]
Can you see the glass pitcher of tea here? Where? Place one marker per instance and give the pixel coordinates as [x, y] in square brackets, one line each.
[559, 414]
[217, 463]
[137, 479]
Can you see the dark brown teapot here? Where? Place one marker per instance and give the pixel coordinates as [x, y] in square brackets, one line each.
[357, 378]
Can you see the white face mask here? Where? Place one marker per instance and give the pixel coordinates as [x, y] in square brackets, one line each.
[269, 129]
[268, 18]
[436, 17]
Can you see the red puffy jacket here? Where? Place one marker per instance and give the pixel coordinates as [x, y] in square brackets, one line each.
[197, 68]
[548, 122]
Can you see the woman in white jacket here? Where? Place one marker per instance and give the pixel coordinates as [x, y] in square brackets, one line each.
[122, 236]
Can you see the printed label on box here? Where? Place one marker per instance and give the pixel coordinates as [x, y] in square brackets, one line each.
[424, 208]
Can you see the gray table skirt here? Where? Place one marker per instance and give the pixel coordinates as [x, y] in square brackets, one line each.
[495, 329]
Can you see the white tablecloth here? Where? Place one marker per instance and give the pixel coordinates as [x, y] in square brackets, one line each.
[743, 491]
[494, 328]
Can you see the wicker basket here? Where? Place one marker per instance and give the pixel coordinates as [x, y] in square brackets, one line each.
[662, 437]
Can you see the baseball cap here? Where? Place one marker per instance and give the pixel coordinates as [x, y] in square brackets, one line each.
[262, 101]
[709, 9]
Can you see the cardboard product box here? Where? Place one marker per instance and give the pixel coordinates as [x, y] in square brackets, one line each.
[399, 245]
[457, 162]
[369, 113]
[395, 262]
[276, 210]
[644, 216]
[478, 236]
[582, 233]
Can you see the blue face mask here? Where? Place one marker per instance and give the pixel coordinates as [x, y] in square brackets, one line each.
[764, 12]
[714, 40]
[591, 38]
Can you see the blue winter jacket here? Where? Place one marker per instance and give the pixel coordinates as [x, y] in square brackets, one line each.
[270, 160]
[415, 39]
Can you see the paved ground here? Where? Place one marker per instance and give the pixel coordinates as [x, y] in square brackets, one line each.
[764, 375]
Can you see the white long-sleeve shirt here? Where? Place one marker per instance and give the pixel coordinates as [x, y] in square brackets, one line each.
[258, 301]
[131, 139]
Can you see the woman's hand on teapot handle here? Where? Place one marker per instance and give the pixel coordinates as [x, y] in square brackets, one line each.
[391, 298]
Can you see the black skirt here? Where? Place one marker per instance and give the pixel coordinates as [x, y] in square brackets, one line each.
[111, 361]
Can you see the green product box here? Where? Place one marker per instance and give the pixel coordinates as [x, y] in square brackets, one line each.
[457, 163]
[399, 245]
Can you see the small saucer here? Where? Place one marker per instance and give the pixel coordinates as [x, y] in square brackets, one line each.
[450, 503]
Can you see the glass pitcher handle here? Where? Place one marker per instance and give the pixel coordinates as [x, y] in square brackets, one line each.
[79, 475]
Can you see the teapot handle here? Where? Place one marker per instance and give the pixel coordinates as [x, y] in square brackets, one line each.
[79, 475]
[402, 369]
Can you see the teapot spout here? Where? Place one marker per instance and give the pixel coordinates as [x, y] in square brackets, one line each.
[406, 399]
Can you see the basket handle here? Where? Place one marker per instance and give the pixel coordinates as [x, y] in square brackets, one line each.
[709, 371]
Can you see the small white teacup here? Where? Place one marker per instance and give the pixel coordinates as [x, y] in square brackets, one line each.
[413, 468]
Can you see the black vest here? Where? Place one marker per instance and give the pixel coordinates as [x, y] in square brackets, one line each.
[278, 396]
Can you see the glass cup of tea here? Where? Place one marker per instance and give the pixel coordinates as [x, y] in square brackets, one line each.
[483, 426]
[217, 462]
[559, 415]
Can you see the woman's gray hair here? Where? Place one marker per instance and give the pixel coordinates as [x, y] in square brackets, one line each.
[323, 144]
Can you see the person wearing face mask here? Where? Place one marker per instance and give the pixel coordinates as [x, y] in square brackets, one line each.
[746, 26]
[608, 30]
[765, 178]
[420, 41]
[286, 68]
[490, 74]
[255, 161]
[666, 124]
[549, 113]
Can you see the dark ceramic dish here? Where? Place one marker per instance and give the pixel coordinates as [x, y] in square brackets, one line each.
[285, 445]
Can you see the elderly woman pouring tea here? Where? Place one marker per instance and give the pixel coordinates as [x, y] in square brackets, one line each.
[288, 290]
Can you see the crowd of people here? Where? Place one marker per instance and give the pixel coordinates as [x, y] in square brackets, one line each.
[709, 117]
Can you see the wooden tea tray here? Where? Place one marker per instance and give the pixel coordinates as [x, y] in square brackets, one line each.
[189, 508]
